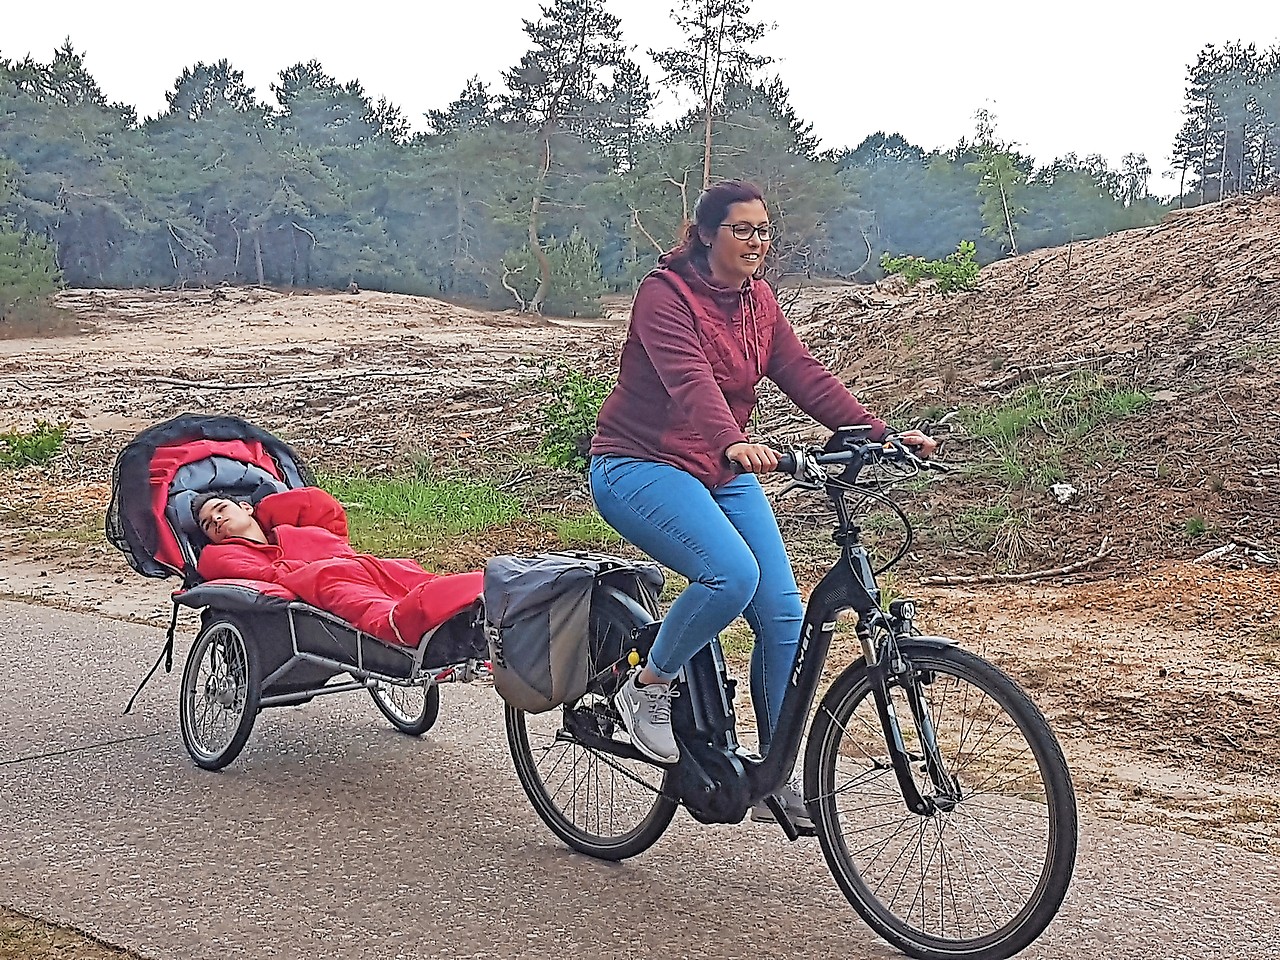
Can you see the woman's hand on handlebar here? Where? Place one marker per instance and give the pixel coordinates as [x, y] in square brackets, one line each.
[752, 457]
[921, 444]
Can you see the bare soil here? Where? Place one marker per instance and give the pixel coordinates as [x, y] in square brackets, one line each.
[1154, 657]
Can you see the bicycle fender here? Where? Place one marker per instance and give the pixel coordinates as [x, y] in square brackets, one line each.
[925, 640]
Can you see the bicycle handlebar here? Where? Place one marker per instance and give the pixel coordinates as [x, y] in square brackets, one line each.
[806, 463]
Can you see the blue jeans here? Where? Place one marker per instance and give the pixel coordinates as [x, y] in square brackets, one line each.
[726, 543]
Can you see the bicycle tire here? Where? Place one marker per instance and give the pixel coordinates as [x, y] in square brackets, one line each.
[1037, 806]
[221, 690]
[550, 758]
[399, 704]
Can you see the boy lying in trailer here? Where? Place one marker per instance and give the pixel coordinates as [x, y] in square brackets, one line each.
[298, 539]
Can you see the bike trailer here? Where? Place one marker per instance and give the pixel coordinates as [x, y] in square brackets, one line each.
[259, 645]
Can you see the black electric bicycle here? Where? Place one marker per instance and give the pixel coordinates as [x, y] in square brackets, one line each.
[938, 793]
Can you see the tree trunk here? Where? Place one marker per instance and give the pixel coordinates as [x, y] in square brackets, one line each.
[1008, 217]
[706, 148]
[709, 101]
[257, 254]
[458, 227]
[535, 245]
[301, 262]
[1222, 169]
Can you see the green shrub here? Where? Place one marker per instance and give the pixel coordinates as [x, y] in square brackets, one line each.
[39, 445]
[957, 271]
[569, 418]
[576, 284]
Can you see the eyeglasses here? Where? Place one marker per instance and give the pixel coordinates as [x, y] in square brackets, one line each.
[743, 231]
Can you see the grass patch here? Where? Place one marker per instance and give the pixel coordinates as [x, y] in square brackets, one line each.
[87, 531]
[977, 526]
[582, 530]
[410, 515]
[737, 641]
[1030, 431]
[1257, 352]
[42, 320]
[1048, 470]
[34, 447]
[1067, 411]
[1004, 424]
[674, 586]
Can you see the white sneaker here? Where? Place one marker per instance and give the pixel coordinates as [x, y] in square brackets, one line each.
[645, 712]
[792, 797]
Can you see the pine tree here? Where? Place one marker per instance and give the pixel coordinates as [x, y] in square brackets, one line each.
[28, 271]
[555, 89]
[717, 50]
[1001, 182]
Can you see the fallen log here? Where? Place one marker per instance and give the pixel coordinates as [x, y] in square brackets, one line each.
[1023, 374]
[318, 377]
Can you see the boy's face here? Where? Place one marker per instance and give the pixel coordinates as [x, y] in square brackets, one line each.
[221, 520]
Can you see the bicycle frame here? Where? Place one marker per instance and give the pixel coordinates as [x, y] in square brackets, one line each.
[850, 584]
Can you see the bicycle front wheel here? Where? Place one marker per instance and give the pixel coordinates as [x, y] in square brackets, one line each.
[600, 804]
[982, 874]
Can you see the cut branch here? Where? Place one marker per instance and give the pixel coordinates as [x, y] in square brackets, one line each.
[371, 373]
[507, 272]
[946, 580]
[1030, 373]
[1217, 553]
[298, 226]
[635, 218]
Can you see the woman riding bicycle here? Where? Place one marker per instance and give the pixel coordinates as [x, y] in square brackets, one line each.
[705, 329]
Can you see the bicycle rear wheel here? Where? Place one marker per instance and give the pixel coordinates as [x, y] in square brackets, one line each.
[983, 874]
[600, 804]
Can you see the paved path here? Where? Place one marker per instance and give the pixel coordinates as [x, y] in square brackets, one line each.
[332, 836]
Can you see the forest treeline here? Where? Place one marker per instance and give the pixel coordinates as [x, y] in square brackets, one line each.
[553, 188]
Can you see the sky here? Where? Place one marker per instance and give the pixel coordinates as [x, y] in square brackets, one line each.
[1088, 77]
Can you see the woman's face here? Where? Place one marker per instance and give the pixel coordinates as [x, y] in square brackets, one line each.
[734, 261]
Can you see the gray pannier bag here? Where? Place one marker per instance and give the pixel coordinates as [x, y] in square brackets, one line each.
[537, 618]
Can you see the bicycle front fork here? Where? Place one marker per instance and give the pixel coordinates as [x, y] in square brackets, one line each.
[886, 667]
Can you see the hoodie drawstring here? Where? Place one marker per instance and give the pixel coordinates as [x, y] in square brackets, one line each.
[752, 342]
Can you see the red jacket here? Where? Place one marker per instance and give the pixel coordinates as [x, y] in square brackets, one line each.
[687, 380]
[308, 553]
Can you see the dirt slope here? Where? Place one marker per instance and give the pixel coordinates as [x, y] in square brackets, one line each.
[1186, 312]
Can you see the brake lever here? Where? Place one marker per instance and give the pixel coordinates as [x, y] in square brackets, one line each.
[798, 485]
[910, 456]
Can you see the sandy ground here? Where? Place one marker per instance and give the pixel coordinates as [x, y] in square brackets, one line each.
[1157, 679]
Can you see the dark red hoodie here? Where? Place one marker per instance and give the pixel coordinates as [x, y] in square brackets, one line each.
[690, 364]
